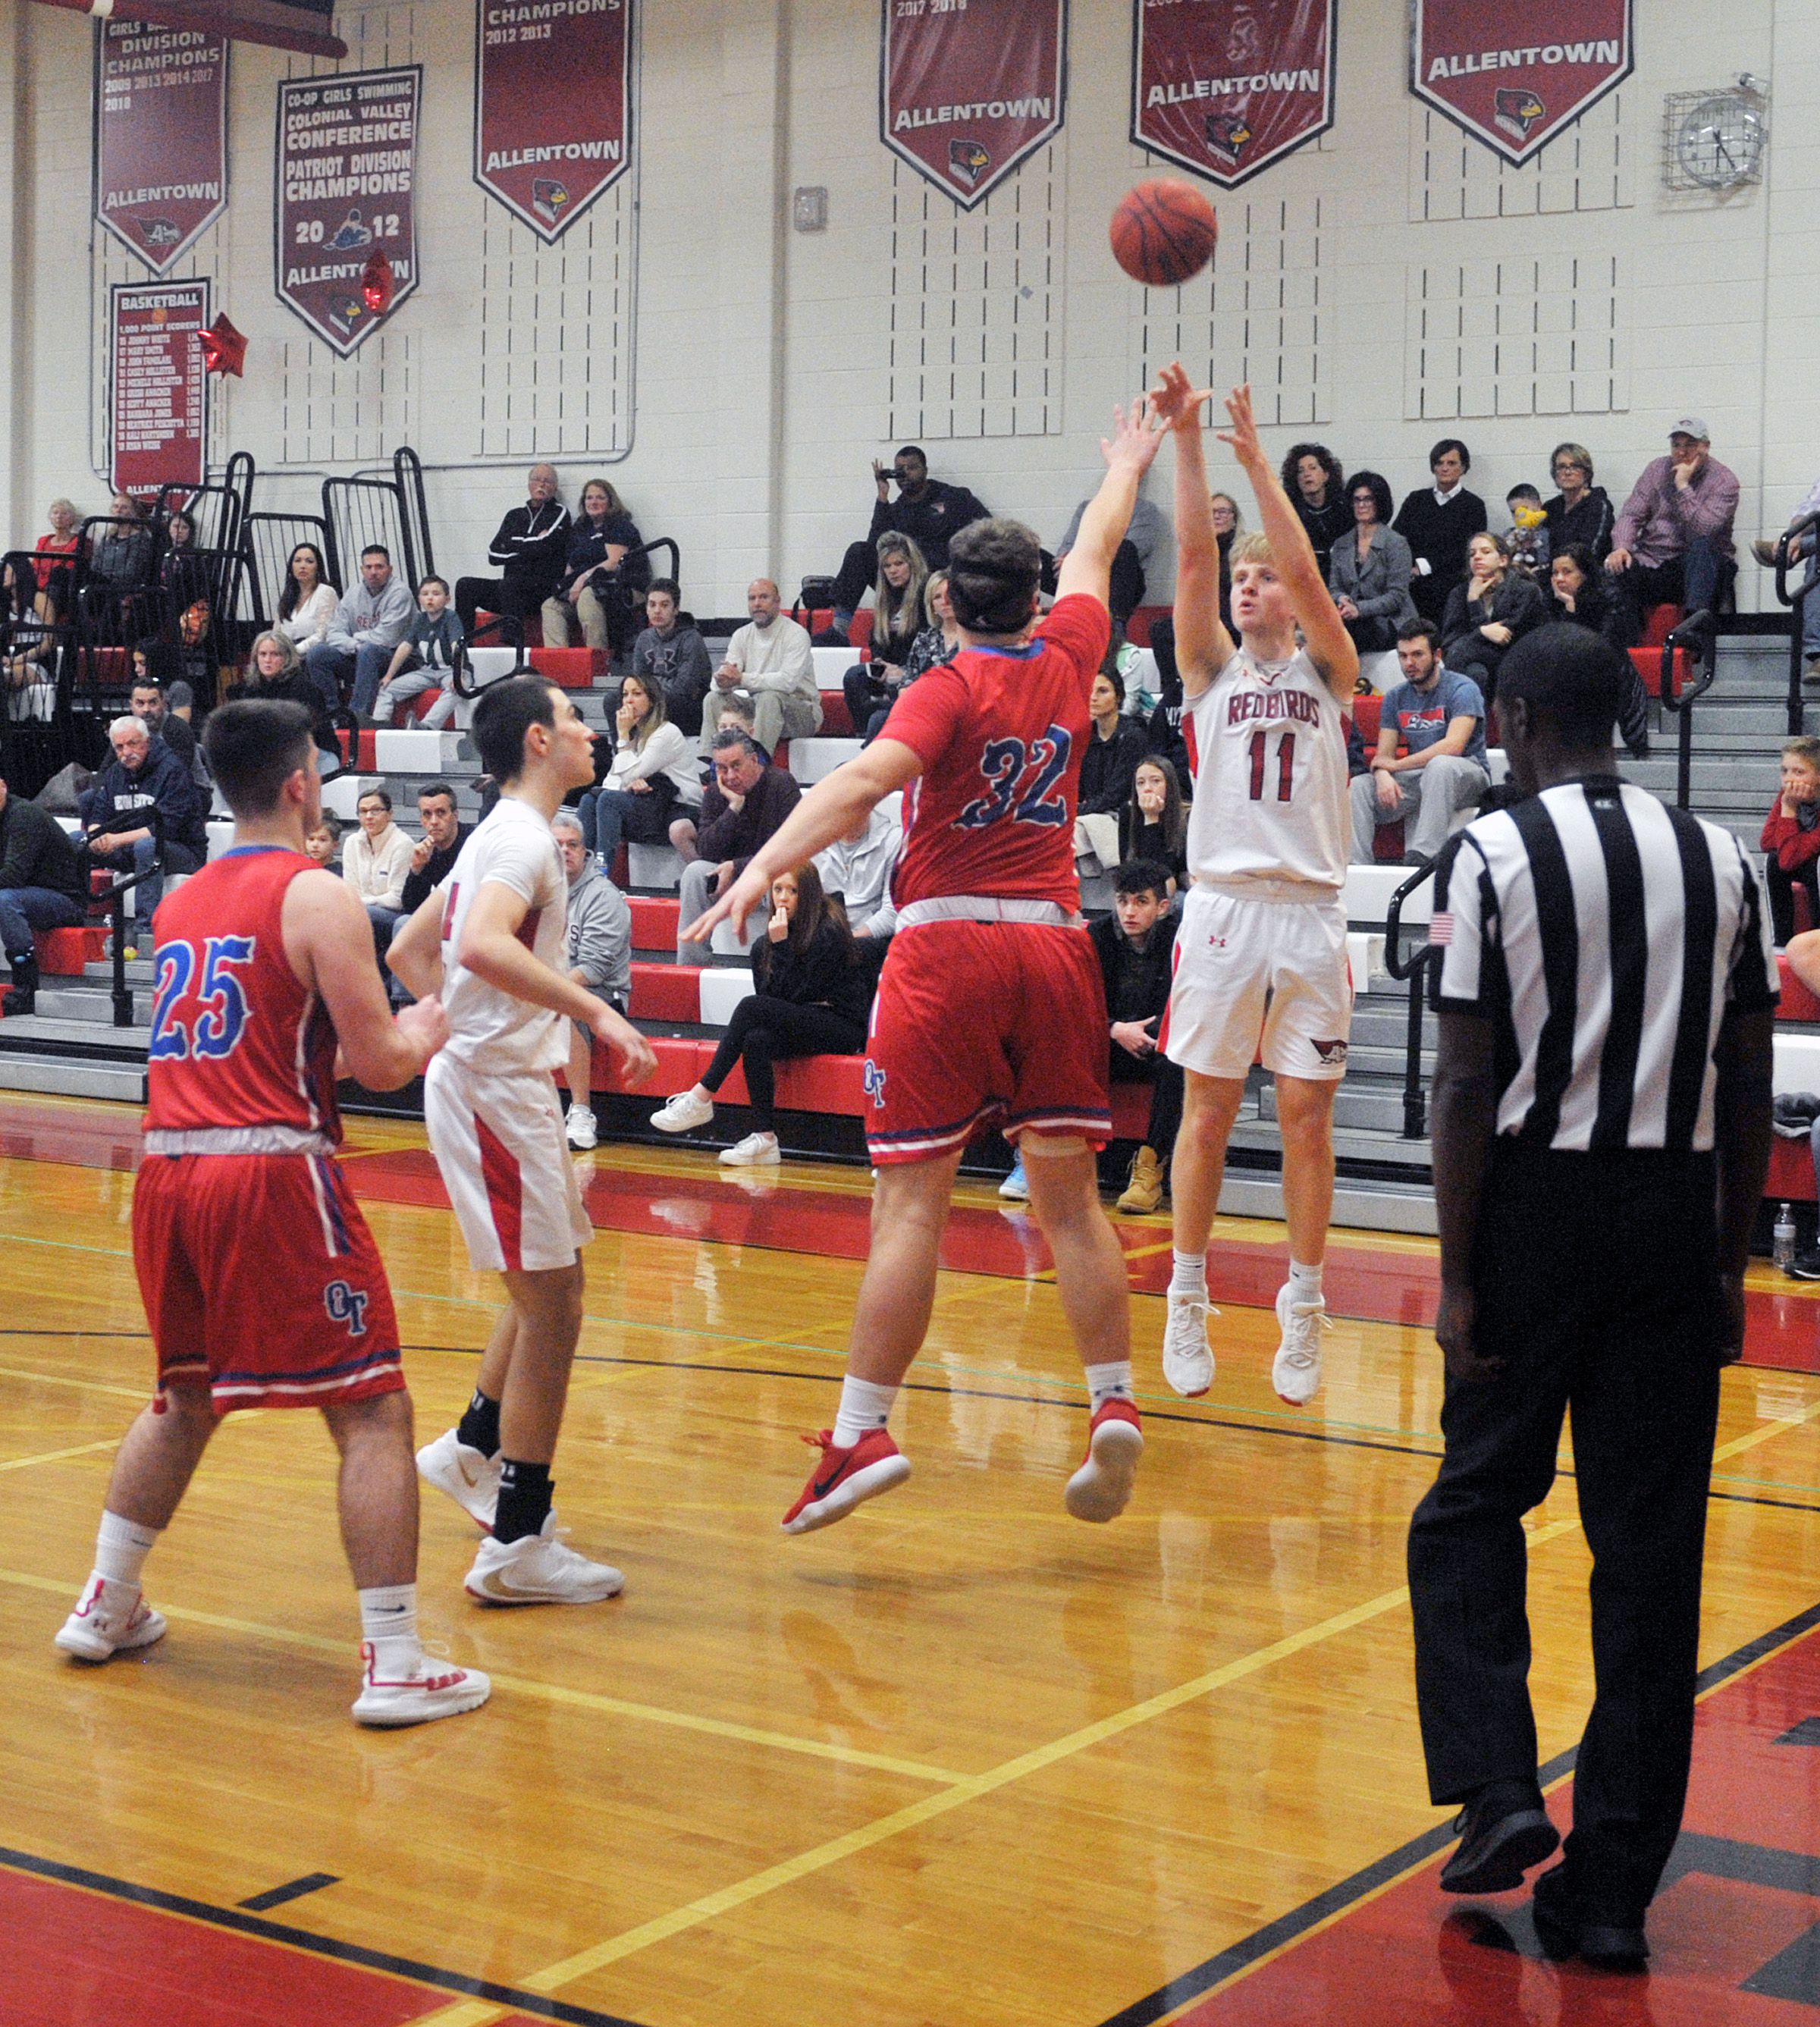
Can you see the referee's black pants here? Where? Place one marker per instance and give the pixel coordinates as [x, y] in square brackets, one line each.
[1596, 1283]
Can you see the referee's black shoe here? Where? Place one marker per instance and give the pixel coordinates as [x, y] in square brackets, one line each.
[1569, 1924]
[1504, 1830]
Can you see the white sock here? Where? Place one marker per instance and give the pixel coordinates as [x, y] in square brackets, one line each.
[121, 1547]
[1190, 1276]
[1109, 1381]
[865, 1405]
[389, 1625]
[1305, 1284]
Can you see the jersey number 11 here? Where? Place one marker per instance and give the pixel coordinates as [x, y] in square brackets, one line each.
[1285, 765]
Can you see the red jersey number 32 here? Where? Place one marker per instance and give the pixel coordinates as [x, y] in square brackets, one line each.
[1023, 781]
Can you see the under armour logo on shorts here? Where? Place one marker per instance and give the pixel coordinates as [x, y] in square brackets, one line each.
[347, 1305]
[873, 1080]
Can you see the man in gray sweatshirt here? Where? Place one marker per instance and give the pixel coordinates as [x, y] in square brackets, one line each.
[370, 621]
[599, 958]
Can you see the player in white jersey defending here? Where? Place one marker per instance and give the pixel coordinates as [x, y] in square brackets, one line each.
[1260, 958]
[491, 940]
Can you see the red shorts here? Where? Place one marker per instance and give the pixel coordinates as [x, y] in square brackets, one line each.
[986, 1023]
[260, 1277]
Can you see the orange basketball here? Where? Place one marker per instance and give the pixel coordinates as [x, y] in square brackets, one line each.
[1164, 232]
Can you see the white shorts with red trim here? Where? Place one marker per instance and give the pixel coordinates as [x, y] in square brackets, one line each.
[498, 1143]
[1260, 981]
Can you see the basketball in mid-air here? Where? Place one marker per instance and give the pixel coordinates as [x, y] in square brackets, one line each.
[1164, 232]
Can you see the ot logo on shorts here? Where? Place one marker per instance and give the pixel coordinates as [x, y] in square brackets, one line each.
[347, 1305]
[872, 1079]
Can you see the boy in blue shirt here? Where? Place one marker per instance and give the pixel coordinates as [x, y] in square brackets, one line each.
[423, 660]
[1440, 718]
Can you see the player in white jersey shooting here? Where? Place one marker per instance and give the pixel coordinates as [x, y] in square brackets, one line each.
[1260, 959]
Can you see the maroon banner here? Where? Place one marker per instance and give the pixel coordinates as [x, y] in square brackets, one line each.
[1225, 87]
[547, 154]
[345, 189]
[161, 137]
[158, 385]
[968, 88]
[1514, 77]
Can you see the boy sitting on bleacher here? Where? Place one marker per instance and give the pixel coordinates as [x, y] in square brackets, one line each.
[423, 660]
[1791, 839]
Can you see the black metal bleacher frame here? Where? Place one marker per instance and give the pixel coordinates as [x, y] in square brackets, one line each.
[1797, 601]
[393, 513]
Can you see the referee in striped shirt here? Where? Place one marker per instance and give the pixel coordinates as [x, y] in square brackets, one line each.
[1601, 1138]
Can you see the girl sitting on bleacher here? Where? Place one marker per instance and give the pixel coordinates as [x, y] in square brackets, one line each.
[653, 777]
[809, 998]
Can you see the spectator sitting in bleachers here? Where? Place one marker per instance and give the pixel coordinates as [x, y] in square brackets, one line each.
[1228, 521]
[275, 668]
[769, 662]
[600, 951]
[1438, 715]
[931, 512]
[423, 660]
[1109, 767]
[26, 641]
[1791, 839]
[375, 861]
[306, 606]
[653, 777]
[1316, 487]
[593, 589]
[183, 573]
[810, 998]
[120, 568]
[1581, 511]
[1136, 945]
[323, 845]
[1438, 521]
[1134, 563]
[1153, 824]
[63, 542]
[672, 650]
[1527, 538]
[41, 888]
[369, 623]
[744, 805]
[898, 616]
[528, 552]
[939, 639]
[856, 870]
[146, 703]
[1371, 568]
[1807, 545]
[1672, 544]
[1578, 596]
[1164, 736]
[433, 857]
[1487, 615]
[145, 774]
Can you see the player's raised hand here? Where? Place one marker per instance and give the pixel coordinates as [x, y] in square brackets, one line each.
[1175, 400]
[1135, 437]
[741, 898]
[425, 1023]
[1242, 439]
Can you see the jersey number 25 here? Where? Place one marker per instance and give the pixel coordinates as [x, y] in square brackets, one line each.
[218, 1013]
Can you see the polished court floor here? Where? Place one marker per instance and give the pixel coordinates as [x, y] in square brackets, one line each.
[959, 1762]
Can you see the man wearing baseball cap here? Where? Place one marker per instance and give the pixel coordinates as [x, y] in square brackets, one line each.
[1672, 544]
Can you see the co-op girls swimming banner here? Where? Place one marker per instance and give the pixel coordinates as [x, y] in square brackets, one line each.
[1226, 87]
[552, 105]
[968, 88]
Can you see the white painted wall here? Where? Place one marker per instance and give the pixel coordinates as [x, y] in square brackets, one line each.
[736, 378]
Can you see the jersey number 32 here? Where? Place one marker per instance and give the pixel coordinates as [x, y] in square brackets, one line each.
[1023, 781]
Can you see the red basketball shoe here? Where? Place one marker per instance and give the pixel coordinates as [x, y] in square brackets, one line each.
[1102, 1488]
[844, 1479]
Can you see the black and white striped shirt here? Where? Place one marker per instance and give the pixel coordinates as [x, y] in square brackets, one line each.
[1606, 935]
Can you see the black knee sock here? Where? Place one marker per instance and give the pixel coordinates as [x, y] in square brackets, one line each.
[479, 1425]
[525, 1493]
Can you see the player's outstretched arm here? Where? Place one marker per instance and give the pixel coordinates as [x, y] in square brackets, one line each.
[1129, 452]
[833, 808]
[1329, 646]
[1203, 646]
[414, 957]
[329, 943]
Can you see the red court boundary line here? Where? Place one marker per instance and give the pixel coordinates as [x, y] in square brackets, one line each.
[358, 1954]
[1250, 1951]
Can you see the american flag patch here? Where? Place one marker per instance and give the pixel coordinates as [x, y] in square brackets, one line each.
[1440, 928]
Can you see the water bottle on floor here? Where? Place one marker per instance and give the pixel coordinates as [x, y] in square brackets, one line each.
[1782, 1238]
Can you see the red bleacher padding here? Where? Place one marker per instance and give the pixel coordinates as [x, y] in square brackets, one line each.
[1137, 627]
[569, 668]
[665, 991]
[533, 626]
[1658, 622]
[360, 753]
[1791, 1172]
[836, 723]
[1367, 715]
[1647, 663]
[63, 953]
[653, 921]
[1797, 1003]
[680, 1063]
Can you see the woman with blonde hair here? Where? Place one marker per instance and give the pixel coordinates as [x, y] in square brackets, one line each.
[594, 589]
[897, 618]
[654, 775]
[275, 670]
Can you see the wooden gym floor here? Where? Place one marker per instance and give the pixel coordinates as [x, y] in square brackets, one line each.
[959, 1762]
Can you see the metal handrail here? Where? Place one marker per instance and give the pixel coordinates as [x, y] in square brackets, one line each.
[1797, 601]
[1698, 635]
[1414, 970]
[115, 893]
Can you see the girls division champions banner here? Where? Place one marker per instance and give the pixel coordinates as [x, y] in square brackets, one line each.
[1226, 87]
[1513, 77]
[346, 185]
[160, 136]
[968, 88]
[552, 105]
